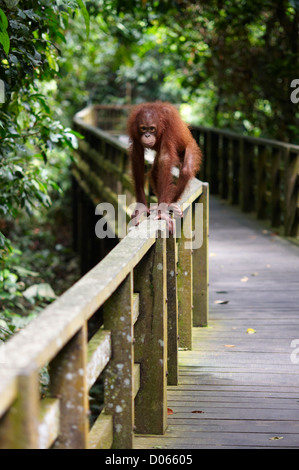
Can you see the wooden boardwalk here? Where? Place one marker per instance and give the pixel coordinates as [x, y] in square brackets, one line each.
[236, 389]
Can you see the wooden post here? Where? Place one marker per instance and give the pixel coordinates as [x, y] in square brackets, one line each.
[213, 161]
[247, 176]
[201, 267]
[275, 188]
[172, 310]
[19, 427]
[68, 383]
[151, 341]
[261, 200]
[119, 396]
[224, 177]
[235, 169]
[185, 294]
[291, 193]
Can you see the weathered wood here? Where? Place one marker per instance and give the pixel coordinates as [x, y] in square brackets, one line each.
[172, 310]
[276, 184]
[201, 265]
[136, 379]
[63, 342]
[19, 426]
[63, 318]
[101, 434]
[8, 389]
[291, 162]
[99, 353]
[119, 386]
[247, 176]
[49, 417]
[68, 383]
[225, 180]
[135, 307]
[151, 341]
[261, 204]
[185, 282]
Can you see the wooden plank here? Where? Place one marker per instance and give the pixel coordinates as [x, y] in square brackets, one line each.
[48, 428]
[19, 426]
[136, 379]
[101, 433]
[98, 355]
[8, 391]
[135, 307]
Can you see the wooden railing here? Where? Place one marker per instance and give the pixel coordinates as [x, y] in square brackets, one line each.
[260, 175]
[124, 320]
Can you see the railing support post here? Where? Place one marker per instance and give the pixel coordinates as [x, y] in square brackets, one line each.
[201, 266]
[151, 341]
[172, 310]
[19, 428]
[68, 383]
[185, 284]
[119, 397]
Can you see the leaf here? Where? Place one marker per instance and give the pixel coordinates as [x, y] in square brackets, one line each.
[3, 21]
[25, 272]
[250, 331]
[229, 345]
[42, 290]
[275, 438]
[169, 411]
[244, 279]
[85, 15]
[221, 301]
[4, 40]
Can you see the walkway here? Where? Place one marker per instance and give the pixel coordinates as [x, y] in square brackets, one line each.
[239, 389]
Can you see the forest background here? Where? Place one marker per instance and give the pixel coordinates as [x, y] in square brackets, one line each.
[231, 64]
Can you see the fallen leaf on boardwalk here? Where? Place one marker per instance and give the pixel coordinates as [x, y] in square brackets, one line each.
[221, 301]
[221, 292]
[275, 438]
[229, 345]
[169, 411]
[244, 279]
[196, 411]
[254, 274]
[250, 331]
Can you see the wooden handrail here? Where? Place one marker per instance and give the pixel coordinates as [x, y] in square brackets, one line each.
[139, 288]
[261, 175]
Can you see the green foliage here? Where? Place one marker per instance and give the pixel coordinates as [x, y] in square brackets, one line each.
[238, 57]
[29, 129]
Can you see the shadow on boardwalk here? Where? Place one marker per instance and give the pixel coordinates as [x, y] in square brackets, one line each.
[240, 390]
